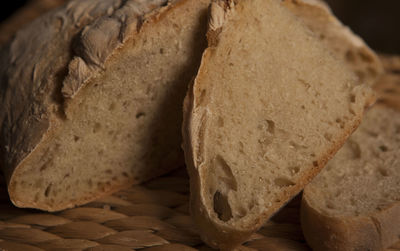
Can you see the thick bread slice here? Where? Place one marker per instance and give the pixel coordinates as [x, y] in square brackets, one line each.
[91, 97]
[354, 203]
[268, 107]
[345, 44]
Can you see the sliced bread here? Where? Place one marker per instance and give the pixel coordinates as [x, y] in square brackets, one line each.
[91, 97]
[268, 108]
[346, 45]
[354, 203]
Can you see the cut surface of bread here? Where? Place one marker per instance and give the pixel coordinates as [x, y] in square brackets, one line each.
[91, 98]
[345, 45]
[268, 107]
[354, 203]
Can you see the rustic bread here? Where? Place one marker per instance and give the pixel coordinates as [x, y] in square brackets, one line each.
[91, 97]
[345, 44]
[31, 10]
[268, 107]
[354, 203]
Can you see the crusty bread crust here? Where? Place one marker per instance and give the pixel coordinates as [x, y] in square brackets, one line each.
[375, 231]
[215, 233]
[365, 232]
[33, 119]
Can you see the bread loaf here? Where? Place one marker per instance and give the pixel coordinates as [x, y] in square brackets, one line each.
[268, 108]
[344, 44]
[354, 203]
[91, 97]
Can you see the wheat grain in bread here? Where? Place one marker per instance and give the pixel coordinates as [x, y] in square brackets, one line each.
[268, 107]
[91, 97]
[344, 44]
[354, 203]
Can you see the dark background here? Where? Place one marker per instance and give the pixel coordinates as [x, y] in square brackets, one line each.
[377, 21]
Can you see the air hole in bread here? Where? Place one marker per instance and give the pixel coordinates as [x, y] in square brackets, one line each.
[222, 207]
[390, 90]
[241, 147]
[140, 114]
[350, 57]
[383, 172]
[352, 98]
[125, 174]
[330, 205]
[315, 163]
[161, 50]
[201, 97]
[46, 165]
[283, 182]
[96, 127]
[383, 148]
[355, 148]
[296, 146]
[268, 126]
[224, 172]
[76, 138]
[47, 191]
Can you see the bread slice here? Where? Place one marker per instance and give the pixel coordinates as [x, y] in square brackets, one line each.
[354, 203]
[268, 107]
[346, 45]
[91, 97]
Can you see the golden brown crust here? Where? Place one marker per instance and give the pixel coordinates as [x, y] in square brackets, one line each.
[330, 233]
[365, 232]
